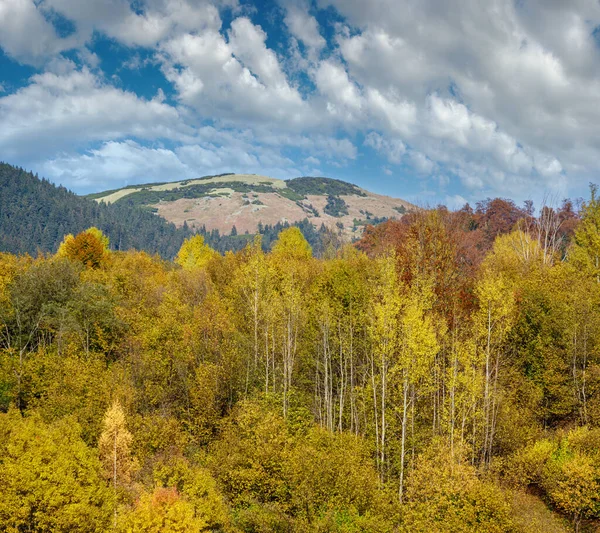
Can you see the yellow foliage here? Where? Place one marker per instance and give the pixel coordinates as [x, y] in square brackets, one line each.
[291, 243]
[163, 511]
[115, 446]
[50, 480]
[64, 245]
[194, 253]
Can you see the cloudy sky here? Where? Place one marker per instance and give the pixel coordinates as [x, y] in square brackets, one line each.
[428, 100]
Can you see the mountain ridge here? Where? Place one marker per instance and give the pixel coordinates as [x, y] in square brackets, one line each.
[244, 201]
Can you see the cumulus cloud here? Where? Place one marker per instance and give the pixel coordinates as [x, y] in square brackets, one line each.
[511, 86]
[66, 107]
[237, 79]
[117, 163]
[493, 97]
[26, 34]
[392, 149]
[303, 26]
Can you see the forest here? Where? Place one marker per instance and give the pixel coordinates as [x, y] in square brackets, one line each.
[35, 215]
[440, 375]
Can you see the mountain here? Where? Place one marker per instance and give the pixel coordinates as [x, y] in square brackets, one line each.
[249, 201]
[35, 215]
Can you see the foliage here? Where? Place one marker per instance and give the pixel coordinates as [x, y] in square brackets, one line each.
[89, 248]
[194, 253]
[336, 207]
[446, 495]
[323, 186]
[51, 481]
[163, 511]
[114, 447]
[441, 375]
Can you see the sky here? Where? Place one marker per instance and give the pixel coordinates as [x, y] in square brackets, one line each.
[432, 101]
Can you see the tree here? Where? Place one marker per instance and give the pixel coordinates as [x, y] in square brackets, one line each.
[114, 447]
[194, 253]
[290, 261]
[292, 244]
[162, 511]
[384, 333]
[419, 346]
[585, 252]
[88, 247]
[51, 481]
[444, 494]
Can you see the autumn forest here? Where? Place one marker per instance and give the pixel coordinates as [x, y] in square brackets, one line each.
[442, 374]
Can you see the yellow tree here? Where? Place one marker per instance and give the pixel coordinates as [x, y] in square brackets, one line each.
[383, 330]
[89, 247]
[585, 252]
[163, 511]
[194, 253]
[114, 447]
[69, 248]
[338, 314]
[51, 481]
[65, 244]
[290, 261]
[252, 282]
[492, 323]
[419, 346]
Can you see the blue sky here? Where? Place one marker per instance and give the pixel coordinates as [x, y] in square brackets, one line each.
[429, 100]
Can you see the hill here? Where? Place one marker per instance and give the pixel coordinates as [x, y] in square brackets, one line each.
[35, 215]
[248, 201]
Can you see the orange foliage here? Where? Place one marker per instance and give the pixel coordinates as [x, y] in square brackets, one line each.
[87, 249]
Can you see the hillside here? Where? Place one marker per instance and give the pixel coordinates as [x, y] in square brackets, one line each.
[35, 215]
[248, 200]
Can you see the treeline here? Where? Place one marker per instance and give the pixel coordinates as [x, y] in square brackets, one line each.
[35, 215]
[442, 375]
[324, 240]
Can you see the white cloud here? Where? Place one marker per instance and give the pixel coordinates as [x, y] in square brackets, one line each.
[303, 26]
[115, 164]
[343, 98]
[420, 162]
[153, 21]
[393, 114]
[247, 43]
[504, 86]
[236, 81]
[503, 99]
[26, 35]
[64, 108]
[455, 201]
[392, 149]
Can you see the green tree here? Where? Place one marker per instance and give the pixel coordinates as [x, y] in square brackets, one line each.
[585, 251]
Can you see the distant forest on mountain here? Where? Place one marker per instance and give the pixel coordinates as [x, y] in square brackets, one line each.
[35, 215]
